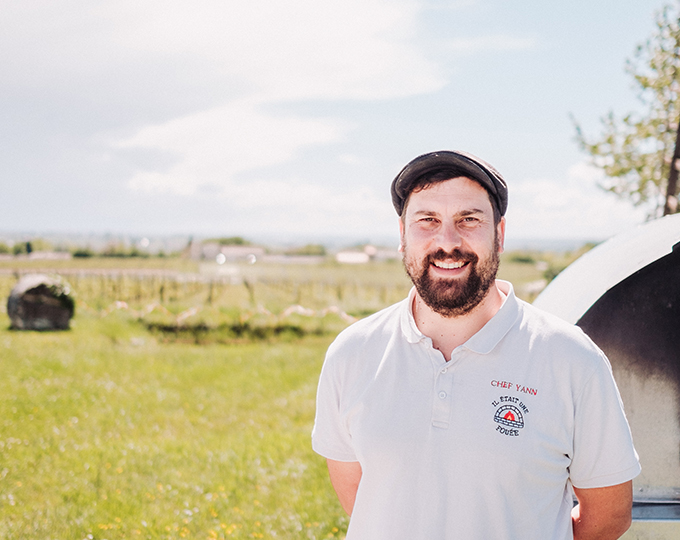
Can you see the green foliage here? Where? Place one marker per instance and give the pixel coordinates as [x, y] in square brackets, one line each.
[38, 244]
[23, 248]
[558, 262]
[4, 249]
[107, 433]
[636, 151]
[211, 325]
[120, 251]
[522, 257]
[309, 249]
[230, 241]
[82, 253]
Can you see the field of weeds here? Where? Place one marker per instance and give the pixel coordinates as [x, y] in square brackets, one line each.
[105, 432]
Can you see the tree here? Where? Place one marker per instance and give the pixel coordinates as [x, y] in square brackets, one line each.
[230, 241]
[640, 154]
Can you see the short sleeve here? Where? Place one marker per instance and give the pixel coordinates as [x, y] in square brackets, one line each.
[330, 436]
[603, 451]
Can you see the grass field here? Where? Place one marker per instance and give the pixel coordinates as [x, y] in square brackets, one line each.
[135, 424]
[106, 433]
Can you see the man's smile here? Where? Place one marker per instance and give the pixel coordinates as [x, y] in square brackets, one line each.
[449, 265]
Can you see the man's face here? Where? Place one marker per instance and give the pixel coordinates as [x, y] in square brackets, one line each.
[451, 245]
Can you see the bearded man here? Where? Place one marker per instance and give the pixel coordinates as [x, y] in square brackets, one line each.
[462, 412]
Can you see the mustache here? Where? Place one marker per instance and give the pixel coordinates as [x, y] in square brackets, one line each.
[456, 255]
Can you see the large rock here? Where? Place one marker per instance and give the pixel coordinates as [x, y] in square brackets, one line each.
[40, 302]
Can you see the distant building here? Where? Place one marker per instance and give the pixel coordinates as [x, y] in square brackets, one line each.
[369, 253]
[352, 257]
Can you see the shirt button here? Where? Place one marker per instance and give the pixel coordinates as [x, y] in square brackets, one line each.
[442, 395]
[444, 370]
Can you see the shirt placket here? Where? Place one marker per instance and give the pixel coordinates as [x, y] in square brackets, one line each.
[443, 398]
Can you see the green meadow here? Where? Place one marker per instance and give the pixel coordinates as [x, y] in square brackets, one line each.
[179, 407]
[108, 433]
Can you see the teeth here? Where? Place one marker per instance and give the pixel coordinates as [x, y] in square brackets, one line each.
[448, 266]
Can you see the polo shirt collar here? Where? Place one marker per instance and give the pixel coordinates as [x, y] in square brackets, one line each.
[484, 341]
[408, 323]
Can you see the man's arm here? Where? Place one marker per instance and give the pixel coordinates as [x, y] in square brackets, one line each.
[345, 477]
[602, 513]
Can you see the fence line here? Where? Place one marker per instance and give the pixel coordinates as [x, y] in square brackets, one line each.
[177, 291]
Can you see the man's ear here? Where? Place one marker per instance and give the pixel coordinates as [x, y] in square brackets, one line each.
[501, 235]
[401, 235]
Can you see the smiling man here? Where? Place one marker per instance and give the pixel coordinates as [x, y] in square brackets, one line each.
[463, 412]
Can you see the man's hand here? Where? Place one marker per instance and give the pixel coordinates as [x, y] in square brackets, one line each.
[602, 513]
[345, 477]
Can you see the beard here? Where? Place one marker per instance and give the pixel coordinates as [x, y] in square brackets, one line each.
[453, 297]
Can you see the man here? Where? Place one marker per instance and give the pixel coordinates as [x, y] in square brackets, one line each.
[463, 412]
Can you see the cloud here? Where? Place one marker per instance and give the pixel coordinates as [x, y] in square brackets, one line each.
[272, 53]
[569, 207]
[300, 49]
[122, 75]
[213, 147]
[335, 49]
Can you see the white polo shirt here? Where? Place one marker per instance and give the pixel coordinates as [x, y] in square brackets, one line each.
[481, 447]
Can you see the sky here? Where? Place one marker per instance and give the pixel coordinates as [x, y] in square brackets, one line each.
[289, 120]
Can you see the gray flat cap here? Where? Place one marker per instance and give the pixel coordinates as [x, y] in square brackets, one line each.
[462, 162]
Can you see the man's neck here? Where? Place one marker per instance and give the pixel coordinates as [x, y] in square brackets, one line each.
[447, 333]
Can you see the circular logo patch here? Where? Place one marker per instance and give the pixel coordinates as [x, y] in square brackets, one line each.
[509, 415]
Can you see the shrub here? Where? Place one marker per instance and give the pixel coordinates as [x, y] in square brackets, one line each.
[82, 253]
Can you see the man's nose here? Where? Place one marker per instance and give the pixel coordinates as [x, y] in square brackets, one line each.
[449, 237]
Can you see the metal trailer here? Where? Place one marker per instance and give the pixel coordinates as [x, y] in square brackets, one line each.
[625, 294]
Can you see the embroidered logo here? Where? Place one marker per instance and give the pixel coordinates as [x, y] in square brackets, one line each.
[509, 415]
